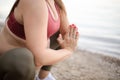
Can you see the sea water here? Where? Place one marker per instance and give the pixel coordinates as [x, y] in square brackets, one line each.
[98, 22]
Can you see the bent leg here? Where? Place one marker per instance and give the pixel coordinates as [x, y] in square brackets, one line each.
[17, 64]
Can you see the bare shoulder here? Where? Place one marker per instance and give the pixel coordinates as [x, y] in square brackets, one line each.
[32, 4]
[33, 10]
[32, 1]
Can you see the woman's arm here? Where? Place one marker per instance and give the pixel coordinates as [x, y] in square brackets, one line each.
[35, 18]
[64, 25]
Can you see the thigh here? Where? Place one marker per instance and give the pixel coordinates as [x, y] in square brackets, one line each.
[16, 56]
[17, 60]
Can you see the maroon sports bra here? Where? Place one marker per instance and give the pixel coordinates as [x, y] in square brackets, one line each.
[18, 29]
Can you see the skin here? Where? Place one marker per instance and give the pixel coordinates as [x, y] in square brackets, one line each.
[34, 15]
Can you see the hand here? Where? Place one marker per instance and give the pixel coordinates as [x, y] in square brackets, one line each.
[70, 39]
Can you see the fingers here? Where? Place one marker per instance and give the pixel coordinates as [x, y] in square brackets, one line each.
[77, 36]
[66, 36]
[60, 39]
[73, 31]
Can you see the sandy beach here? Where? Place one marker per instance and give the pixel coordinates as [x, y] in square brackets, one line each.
[83, 65]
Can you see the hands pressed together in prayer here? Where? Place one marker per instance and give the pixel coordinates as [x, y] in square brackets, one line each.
[69, 39]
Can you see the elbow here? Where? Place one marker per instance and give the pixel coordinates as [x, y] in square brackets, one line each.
[37, 62]
[40, 60]
[39, 55]
[40, 63]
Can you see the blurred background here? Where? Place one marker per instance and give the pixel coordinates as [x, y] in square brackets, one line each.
[98, 22]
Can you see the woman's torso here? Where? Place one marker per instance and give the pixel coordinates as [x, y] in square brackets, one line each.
[8, 40]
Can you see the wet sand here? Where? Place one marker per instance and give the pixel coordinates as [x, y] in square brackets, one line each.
[83, 65]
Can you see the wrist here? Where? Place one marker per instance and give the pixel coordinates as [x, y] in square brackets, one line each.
[69, 49]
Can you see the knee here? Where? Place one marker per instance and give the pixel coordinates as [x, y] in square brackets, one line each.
[22, 62]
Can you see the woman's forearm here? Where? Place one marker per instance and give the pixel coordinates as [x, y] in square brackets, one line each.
[49, 56]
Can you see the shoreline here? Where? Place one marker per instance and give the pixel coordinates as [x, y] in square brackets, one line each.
[84, 65]
[101, 53]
